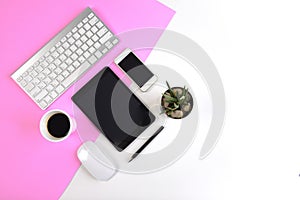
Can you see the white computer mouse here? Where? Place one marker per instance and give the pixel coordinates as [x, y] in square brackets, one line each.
[96, 163]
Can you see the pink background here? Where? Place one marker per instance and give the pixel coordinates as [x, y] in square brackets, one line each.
[31, 167]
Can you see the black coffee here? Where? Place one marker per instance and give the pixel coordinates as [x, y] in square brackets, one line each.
[58, 125]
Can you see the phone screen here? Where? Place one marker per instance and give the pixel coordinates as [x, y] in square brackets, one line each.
[136, 69]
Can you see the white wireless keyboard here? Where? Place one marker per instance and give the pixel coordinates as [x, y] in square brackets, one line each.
[68, 55]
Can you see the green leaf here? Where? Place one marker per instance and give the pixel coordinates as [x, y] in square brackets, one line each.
[169, 98]
[171, 91]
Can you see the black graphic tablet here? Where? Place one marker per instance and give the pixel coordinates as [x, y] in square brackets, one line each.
[113, 108]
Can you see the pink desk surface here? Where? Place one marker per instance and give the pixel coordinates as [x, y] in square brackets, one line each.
[30, 166]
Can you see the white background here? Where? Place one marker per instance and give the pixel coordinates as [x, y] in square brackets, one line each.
[255, 46]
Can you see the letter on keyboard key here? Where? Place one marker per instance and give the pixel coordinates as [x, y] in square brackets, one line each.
[84, 66]
[106, 37]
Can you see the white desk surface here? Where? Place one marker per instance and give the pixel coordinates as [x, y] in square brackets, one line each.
[255, 46]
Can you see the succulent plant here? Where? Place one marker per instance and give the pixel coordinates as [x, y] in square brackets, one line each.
[175, 101]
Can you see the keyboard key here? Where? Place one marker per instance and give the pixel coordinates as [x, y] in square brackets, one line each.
[19, 78]
[106, 37]
[99, 24]
[65, 73]
[81, 31]
[55, 54]
[86, 54]
[89, 34]
[41, 76]
[95, 38]
[43, 104]
[35, 91]
[69, 61]
[52, 49]
[69, 34]
[87, 26]
[73, 48]
[104, 50]
[66, 45]
[42, 85]
[71, 40]
[50, 59]
[51, 67]
[68, 52]
[93, 21]
[94, 29]
[34, 73]
[35, 81]
[83, 38]
[79, 52]
[98, 54]
[29, 87]
[57, 62]
[84, 47]
[81, 59]
[74, 56]
[49, 88]
[90, 42]
[60, 50]
[63, 66]
[115, 41]
[92, 50]
[55, 83]
[63, 39]
[60, 78]
[24, 74]
[58, 44]
[23, 83]
[76, 36]
[80, 25]
[71, 69]
[59, 89]
[76, 64]
[42, 94]
[46, 71]
[92, 59]
[102, 31]
[47, 54]
[58, 71]
[90, 15]
[85, 20]
[97, 45]
[48, 99]
[74, 29]
[78, 43]
[74, 75]
[28, 78]
[62, 57]
[53, 94]
[47, 80]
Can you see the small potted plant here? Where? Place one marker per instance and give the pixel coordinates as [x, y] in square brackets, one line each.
[177, 102]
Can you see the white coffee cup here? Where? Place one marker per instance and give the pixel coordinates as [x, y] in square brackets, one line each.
[51, 115]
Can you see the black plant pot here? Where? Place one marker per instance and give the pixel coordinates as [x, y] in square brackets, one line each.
[182, 111]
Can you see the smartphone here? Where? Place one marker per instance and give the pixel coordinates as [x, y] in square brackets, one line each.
[136, 69]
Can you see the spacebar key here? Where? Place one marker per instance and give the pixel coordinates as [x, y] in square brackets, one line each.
[80, 70]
